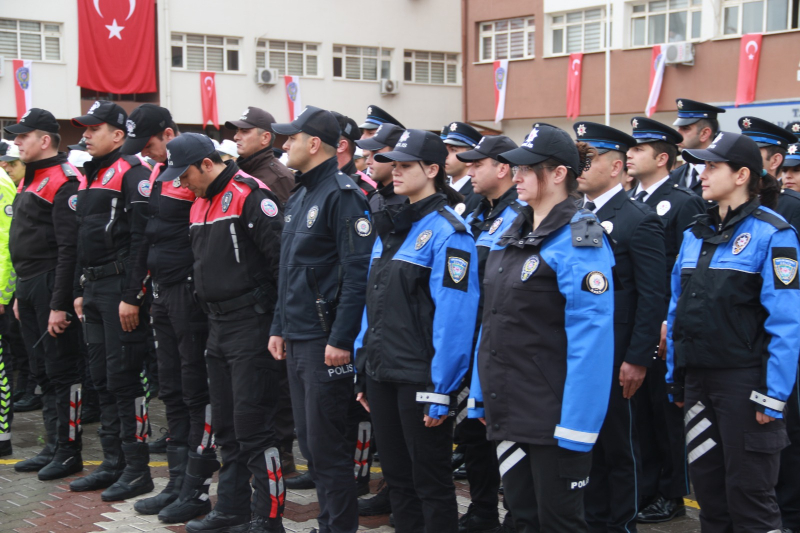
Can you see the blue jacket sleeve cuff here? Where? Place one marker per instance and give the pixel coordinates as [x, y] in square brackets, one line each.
[773, 413]
[478, 412]
[438, 411]
[574, 446]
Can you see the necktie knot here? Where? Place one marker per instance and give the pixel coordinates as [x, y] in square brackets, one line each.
[640, 197]
[590, 206]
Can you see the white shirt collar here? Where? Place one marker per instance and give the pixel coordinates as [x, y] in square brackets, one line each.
[603, 199]
[650, 190]
[687, 181]
[460, 183]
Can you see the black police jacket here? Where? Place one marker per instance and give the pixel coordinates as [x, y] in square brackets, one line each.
[112, 215]
[384, 197]
[235, 232]
[789, 207]
[325, 249]
[44, 227]
[640, 293]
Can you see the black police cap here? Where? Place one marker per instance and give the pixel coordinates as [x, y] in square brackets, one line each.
[144, 122]
[646, 130]
[386, 135]
[100, 112]
[460, 134]
[315, 122]
[350, 129]
[81, 146]
[490, 146]
[690, 111]
[416, 145]
[792, 158]
[377, 116]
[729, 148]
[183, 151]
[794, 127]
[603, 138]
[35, 119]
[765, 133]
[445, 131]
[542, 143]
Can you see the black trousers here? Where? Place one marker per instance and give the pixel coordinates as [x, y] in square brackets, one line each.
[733, 460]
[612, 497]
[788, 488]
[480, 459]
[56, 363]
[415, 459]
[243, 388]
[660, 426]
[180, 329]
[116, 359]
[17, 353]
[544, 486]
[320, 401]
[284, 417]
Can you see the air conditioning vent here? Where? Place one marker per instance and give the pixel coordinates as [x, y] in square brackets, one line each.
[679, 53]
[267, 76]
[390, 86]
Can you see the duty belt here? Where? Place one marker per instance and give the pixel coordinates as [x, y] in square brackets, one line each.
[226, 306]
[111, 269]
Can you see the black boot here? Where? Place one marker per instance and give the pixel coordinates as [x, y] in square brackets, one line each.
[135, 480]
[177, 457]
[67, 461]
[193, 499]
[301, 482]
[109, 470]
[215, 522]
[41, 460]
[378, 504]
[28, 402]
[262, 524]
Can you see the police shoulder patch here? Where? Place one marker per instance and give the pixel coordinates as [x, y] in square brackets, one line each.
[363, 227]
[663, 207]
[595, 282]
[269, 207]
[8, 210]
[144, 188]
[529, 267]
[73, 202]
[456, 274]
[784, 267]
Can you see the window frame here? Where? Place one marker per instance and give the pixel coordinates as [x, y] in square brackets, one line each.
[449, 58]
[724, 5]
[692, 10]
[306, 52]
[226, 47]
[527, 30]
[555, 26]
[43, 34]
[381, 57]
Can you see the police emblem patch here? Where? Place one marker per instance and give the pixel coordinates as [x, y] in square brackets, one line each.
[746, 123]
[131, 127]
[796, 128]
[311, 217]
[581, 130]
[363, 227]
[108, 175]
[43, 184]
[785, 269]
[740, 243]
[9, 210]
[460, 208]
[453, 126]
[596, 282]
[176, 182]
[531, 137]
[423, 238]
[73, 202]
[269, 207]
[635, 123]
[529, 267]
[495, 225]
[457, 268]
[608, 226]
[226, 201]
[793, 148]
[680, 104]
[144, 188]
[663, 207]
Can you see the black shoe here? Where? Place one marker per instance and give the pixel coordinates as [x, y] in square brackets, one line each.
[29, 402]
[301, 482]
[216, 522]
[378, 504]
[159, 445]
[65, 463]
[261, 524]
[391, 520]
[109, 471]
[193, 498]
[18, 395]
[460, 472]
[177, 457]
[472, 522]
[135, 479]
[457, 460]
[661, 510]
[39, 461]
[5, 448]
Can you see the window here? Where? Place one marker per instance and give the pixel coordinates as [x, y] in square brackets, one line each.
[24, 39]
[746, 16]
[578, 31]
[205, 52]
[508, 39]
[436, 68]
[362, 62]
[290, 58]
[665, 21]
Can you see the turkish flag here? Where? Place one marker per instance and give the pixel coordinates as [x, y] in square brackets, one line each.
[749, 56]
[116, 46]
[574, 85]
[208, 96]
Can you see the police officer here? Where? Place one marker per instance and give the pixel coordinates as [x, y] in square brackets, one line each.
[549, 272]
[794, 127]
[42, 244]
[498, 208]
[325, 250]
[345, 154]
[612, 497]
[664, 482]
[698, 125]
[235, 232]
[112, 203]
[423, 275]
[7, 284]
[383, 140]
[375, 118]
[460, 138]
[732, 346]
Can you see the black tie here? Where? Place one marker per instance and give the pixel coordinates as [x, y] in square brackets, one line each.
[589, 205]
[693, 179]
[640, 197]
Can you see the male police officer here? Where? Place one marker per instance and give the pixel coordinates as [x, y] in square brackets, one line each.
[612, 497]
[111, 219]
[697, 123]
[345, 154]
[375, 117]
[235, 231]
[460, 138]
[383, 140]
[664, 481]
[325, 252]
[42, 243]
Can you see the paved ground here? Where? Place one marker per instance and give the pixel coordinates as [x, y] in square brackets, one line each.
[28, 505]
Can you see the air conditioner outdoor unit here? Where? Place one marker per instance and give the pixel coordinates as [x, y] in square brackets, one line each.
[679, 53]
[390, 86]
[267, 76]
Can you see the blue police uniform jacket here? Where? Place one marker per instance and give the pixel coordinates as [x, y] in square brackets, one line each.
[545, 357]
[423, 287]
[735, 296]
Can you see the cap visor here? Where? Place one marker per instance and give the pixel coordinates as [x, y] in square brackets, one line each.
[685, 121]
[388, 157]
[171, 173]
[790, 163]
[471, 155]
[133, 146]
[457, 143]
[16, 129]
[370, 144]
[86, 120]
[238, 124]
[286, 129]
[521, 156]
[8, 158]
[77, 147]
[368, 126]
[701, 156]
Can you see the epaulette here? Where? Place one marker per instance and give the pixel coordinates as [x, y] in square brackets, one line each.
[452, 219]
[132, 160]
[586, 230]
[68, 171]
[516, 206]
[683, 189]
[246, 180]
[774, 220]
[346, 182]
[789, 193]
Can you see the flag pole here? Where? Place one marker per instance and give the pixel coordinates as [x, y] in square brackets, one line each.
[608, 62]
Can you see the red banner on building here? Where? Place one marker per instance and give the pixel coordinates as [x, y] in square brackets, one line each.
[208, 96]
[749, 56]
[574, 85]
[22, 86]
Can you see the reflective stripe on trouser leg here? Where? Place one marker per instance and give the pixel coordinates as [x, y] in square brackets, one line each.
[207, 442]
[142, 421]
[508, 455]
[5, 400]
[462, 405]
[75, 406]
[277, 492]
[698, 426]
[362, 448]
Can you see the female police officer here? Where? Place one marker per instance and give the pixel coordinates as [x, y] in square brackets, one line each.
[416, 333]
[733, 338]
[543, 372]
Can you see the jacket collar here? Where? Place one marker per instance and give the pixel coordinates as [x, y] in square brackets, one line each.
[317, 174]
[712, 228]
[221, 181]
[93, 166]
[492, 208]
[31, 168]
[263, 156]
[400, 218]
[387, 191]
[521, 233]
[614, 204]
[349, 168]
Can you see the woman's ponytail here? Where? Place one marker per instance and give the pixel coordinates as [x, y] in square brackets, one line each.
[440, 184]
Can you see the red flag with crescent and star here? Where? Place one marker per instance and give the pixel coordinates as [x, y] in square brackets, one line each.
[574, 85]
[749, 56]
[208, 97]
[117, 46]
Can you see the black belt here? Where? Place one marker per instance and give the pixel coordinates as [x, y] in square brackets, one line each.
[111, 269]
[226, 306]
